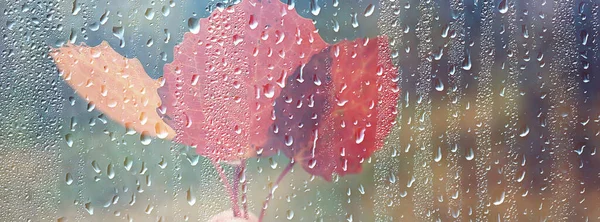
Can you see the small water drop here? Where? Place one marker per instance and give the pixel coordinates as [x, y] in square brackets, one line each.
[69, 139]
[438, 156]
[252, 22]
[110, 172]
[439, 85]
[359, 136]
[194, 25]
[369, 10]
[269, 90]
[315, 9]
[127, 163]
[500, 200]
[470, 155]
[149, 14]
[524, 131]
[69, 179]
[191, 199]
[89, 208]
[354, 20]
[145, 138]
[289, 140]
[502, 7]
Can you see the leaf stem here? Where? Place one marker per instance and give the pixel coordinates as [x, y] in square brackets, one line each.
[285, 171]
[244, 187]
[232, 195]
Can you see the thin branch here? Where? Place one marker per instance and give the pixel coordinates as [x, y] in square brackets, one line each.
[285, 171]
[232, 195]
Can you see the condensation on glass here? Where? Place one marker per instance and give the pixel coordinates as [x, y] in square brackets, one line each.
[497, 117]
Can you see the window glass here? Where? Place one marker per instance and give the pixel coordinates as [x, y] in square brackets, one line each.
[299, 110]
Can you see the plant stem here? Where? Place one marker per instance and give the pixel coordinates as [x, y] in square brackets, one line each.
[285, 171]
[236, 187]
[234, 203]
[244, 187]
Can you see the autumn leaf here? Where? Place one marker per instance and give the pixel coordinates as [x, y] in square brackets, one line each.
[220, 88]
[336, 110]
[115, 85]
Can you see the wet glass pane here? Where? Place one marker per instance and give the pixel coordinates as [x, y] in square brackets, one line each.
[299, 110]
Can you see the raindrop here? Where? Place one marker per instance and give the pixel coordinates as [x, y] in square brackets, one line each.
[191, 199]
[315, 9]
[161, 130]
[194, 25]
[360, 136]
[89, 208]
[237, 40]
[253, 23]
[269, 90]
[69, 179]
[439, 85]
[127, 163]
[502, 7]
[500, 200]
[438, 156]
[110, 172]
[69, 139]
[96, 167]
[145, 139]
[76, 8]
[584, 37]
[193, 159]
[470, 155]
[354, 19]
[290, 214]
[149, 14]
[369, 10]
[289, 140]
[466, 64]
[524, 131]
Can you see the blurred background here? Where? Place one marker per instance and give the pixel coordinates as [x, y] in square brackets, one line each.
[497, 119]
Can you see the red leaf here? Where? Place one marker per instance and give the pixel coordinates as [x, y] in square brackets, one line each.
[336, 111]
[219, 89]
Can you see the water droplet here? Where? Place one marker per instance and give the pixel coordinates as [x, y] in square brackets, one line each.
[76, 8]
[470, 155]
[149, 14]
[289, 140]
[438, 156]
[96, 167]
[194, 25]
[69, 139]
[110, 172]
[354, 19]
[237, 39]
[161, 130]
[69, 179]
[252, 22]
[369, 10]
[269, 90]
[439, 85]
[502, 7]
[500, 200]
[290, 214]
[359, 136]
[145, 138]
[127, 163]
[89, 208]
[191, 199]
[524, 131]
[315, 9]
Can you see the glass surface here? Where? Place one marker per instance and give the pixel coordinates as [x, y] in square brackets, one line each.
[299, 110]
